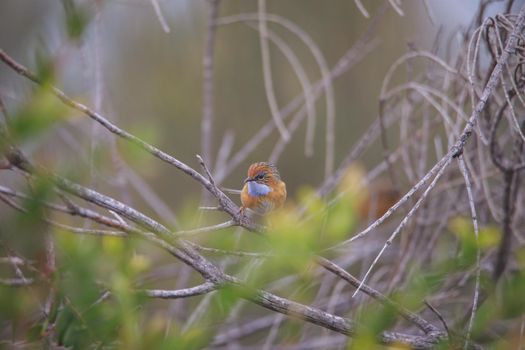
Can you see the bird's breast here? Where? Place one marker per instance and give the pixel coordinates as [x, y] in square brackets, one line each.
[256, 189]
[263, 198]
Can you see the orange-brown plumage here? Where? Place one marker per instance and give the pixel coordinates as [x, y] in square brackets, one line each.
[263, 189]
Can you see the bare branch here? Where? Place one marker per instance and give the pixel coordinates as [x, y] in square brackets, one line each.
[207, 82]
[362, 8]
[221, 226]
[160, 16]
[13, 260]
[300, 72]
[206, 171]
[211, 208]
[204, 288]
[441, 94]
[457, 148]
[225, 202]
[267, 72]
[188, 254]
[403, 222]
[16, 282]
[396, 7]
[224, 151]
[408, 315]
[156, 203]
[231, 252]
[438, 314]
[325, 84]
[464, 171]
[336, 323]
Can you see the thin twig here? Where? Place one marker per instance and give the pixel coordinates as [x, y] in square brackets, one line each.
[204, 288]
[156, 203]
[396, 7]
[458, 146]
[230, 190]
[403, 223]
[85, 231]
[438, 314]
[228, 205]
[221, 226]
[188, 254]
[464, 171]
[206, 170]
[160, 16]
[362, 8]
[430, 13]
[306, 86]
[16, 282]
[231, 252]
[224, 151]
[408, 315]
[208, 81]
[267, 72]
[14, 260]
[325, 83]
[211, 208]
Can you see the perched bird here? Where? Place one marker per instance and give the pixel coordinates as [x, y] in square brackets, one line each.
[263, 189]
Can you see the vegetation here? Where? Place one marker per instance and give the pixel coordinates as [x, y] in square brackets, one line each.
[421, 247]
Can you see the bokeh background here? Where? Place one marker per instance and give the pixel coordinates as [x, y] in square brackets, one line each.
[144, 71]
[150, 81]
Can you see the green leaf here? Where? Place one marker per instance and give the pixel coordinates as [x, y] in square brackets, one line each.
[77, 19]
[42, 111]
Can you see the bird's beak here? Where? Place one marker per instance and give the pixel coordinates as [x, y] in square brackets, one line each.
[248, 179]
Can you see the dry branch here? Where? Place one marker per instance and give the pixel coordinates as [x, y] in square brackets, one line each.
[130, 221]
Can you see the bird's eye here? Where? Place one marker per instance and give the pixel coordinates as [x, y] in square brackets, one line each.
[259, 176]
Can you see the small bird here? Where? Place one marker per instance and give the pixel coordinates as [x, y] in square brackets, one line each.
[263, 189]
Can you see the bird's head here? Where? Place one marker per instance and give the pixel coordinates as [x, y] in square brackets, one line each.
[263, 173]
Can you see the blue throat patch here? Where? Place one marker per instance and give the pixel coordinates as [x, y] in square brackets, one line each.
[256, 189]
